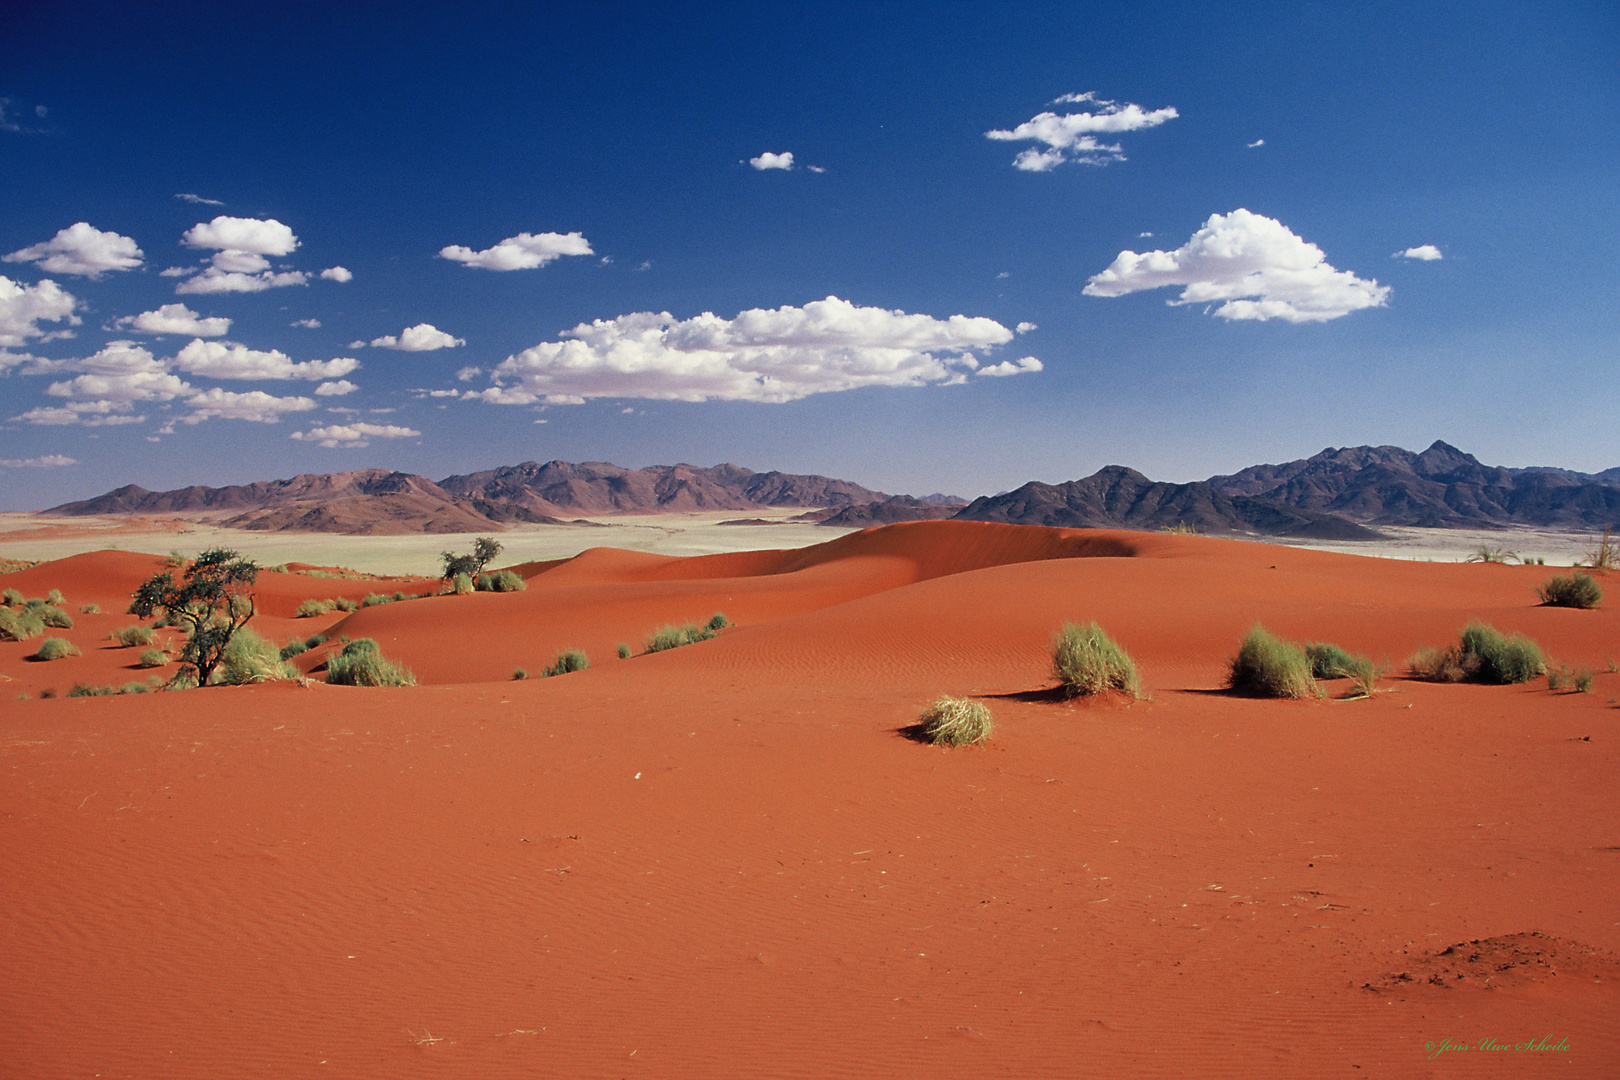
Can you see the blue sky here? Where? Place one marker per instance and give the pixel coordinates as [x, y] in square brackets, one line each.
[953, 287]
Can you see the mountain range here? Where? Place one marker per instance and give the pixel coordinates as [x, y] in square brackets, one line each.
[1341, 494]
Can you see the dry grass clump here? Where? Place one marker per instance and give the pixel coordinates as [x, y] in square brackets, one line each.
[373, 599]
[128, 636]
[1482, 654]
[12, 598]
[1578, 681]
[500, 581]
[718, 621]
[955, 722]
[52, 616]
[1605, 554]
[624, 651]
[673, 637]
[152, 658]
[89, 609]
[250, 659]
[313, 608]
[570, 660]
[20, 624]
[343, 603]
[361, 663]
[1489, 553]
[461, 584]
[82, 690]
[1570, 590]
[294, 647]
[1268, 666]
[54, 648]
[1329, 661]
[1087, 661]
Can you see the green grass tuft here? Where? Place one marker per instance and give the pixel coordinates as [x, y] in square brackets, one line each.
[461, 584]
[343, 603]
[955, 722]
[54, 648]
[718, 621]
[1087, 661]
[673, 637]
[312, 608]
[624, 651]
[1268, 666]
[54, 617]
[1482, 654]
[54, 597]
[373, 599]
[518, 674]
[20, 624]
[251, 659]
[500, 581]
[12, 598]
[1571, 590]
[89, 609]
[128, 636]
[361, 663]
[568, 661]
[150, 658]
[294, 647]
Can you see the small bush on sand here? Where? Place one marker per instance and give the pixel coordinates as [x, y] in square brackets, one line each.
[152, 658]
[1482, 654]
[12, 598]
[718, 621]
[1581, 681]
[55, 617]
[250, 659]
[373, 599]
[343, 603]
[20, 624]
[135, 688]
[518, 674]
[1605, 554]
[568, 661]
[81, 690]
[501, 581]
[461, 584]
[1087, 661]
[1571, 590]
[128, 636]
[311, 608]
[1489, 553]
[54, 597]
[314, 640]
[54, 648]
[89, 609]
[955, 722]
[293, 648]
[673, 637]
[1329, 661]
[361, 663]
[1268, 666]
[624, 651]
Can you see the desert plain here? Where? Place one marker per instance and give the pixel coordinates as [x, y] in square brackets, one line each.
[730, 859]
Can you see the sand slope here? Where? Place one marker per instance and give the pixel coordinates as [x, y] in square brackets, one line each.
[725, 860]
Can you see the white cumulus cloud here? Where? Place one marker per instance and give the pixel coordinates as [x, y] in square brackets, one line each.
[255, 405]
[219, 360]
[336, 273]
[82, 249]
[423, 337]
[265, 236]
[239, 263]
[198, 200]
[1253, 266]
[1073, 136]
[49, 461]
[215, 280]
[307, 324]
[524, 251]
[176, 319]
[1424, 252]
[1027, 365]
[24, 307]
[766, 355]
[467, 374]
[1257, 142]
[335, 389]
[353, 436]
[768, 160]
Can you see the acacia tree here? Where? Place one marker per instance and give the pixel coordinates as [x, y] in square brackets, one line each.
[485, 548]
[212, 599]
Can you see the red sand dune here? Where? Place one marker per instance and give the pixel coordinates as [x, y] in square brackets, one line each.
[725, 859]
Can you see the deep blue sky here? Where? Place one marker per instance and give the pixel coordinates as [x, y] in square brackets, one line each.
[379, 135]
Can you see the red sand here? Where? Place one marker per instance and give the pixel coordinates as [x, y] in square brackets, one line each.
[724, 860]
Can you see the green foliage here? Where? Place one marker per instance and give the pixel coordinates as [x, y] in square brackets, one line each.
[373, 599]
[20, 624]
[718, 621]
[293, 648]
[673, 637]
[89, 609]
[212, 599]
[1329, 661]
[568, 661]
[343, 603]
[152, 658]
[81, 690]
[1489, 553]
[11, 598]
[361, 663]
[135, 688]
[1087, 661]
[624, 651]
[1268, 666]
[54, 648]
[955, 722]
[54, 597]
[1571, 590]
[127, 636]
[54, 617]
[461, 584]
[485, 548]
[519, 674]
[501, 581]
[1581, 681]
[248, 658]
[1482, 654]
[313, 608]
[314, 640]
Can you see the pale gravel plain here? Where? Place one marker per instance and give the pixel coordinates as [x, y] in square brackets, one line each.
[40, 537]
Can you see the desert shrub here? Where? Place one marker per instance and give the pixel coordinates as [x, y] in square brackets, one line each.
[54, 648]
[624, 651]
[1087, 661]
[54, 597]
[518, 674]
[955, 722]
[152, 658]
[135, 688]
[461, 584]
[293, 648]
[248, 658]
[401, 596]
[20, 624]
[1502, 659]
[312, 607]
[718, 621]
[81, 690]
[567, 661]
[48, 692]
[1605, 554]
[343, 603]
[55, 617]
[1271, 667]
[89, 609]
[1180, 528]
[373, 599]
[1570, 590]
[1364, 676]
[1329, 661]
[1489, 553]
[673, 637]
[314, 640]
[1436, 665]
[1581, 681]
[361, 663]
[501, 581]
[11, 598]
[127, 636]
